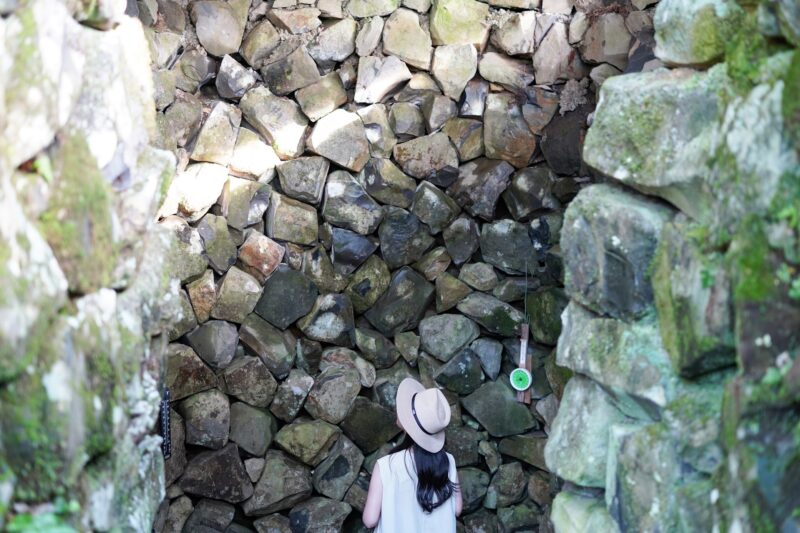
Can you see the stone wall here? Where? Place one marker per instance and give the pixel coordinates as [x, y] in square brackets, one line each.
[683, 326]
[362, 187]
[83, 303]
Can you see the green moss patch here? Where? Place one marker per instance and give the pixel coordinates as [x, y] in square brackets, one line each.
[77, 224]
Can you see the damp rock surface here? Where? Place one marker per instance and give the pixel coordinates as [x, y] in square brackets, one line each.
[370, 190]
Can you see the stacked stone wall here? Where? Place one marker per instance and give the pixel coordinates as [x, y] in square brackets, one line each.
[369, 190]
[683, 325]
[84, 301]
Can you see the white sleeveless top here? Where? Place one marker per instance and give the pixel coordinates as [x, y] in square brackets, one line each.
[400, 511]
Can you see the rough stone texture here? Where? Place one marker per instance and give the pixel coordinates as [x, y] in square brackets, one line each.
[583, 433]
[340, 136]
[600, 263]
[672, 169]
[283, 483]
[704, 29]
[80, 119]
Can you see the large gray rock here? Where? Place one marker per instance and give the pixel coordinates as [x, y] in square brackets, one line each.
[259, 43]
[290, 220]
[368, 283]
[217, 137]
[507, 245]
[544, 309]
[506, 135]
[693, 33]
[278, 119]
[674, 167]
[453, 66]
[607, 40]
[695, 313]
[322, 97]
[371, 8]
[283, 483]
[443, 336]
[401, 307]
[334, 475]
[335, 42]
[218, 241]
[577, 512]
[349, 250]
[433, 207]
[340, 137]
[304, 178]
[496, 316]
[449, 291]
[378, 77]
[218, 25]
[474, 483]
[348, 205]
[494, 405]
[215, 342]
[369, 36]
[274, 347]
[194, 191]
[251, 428]
[431, 158]
[330, 320]
[248, 379]
[460, 22]
[210, 515]
[237, 295]
[515, 35]
[461, 374]
[333, 393]
[308, 440]
[461, 239]
[479, 185]
[186, 373]
[530, 191]
[404, 239]
[233, 80]
[376, 348]
[513, 74]
[507, 486]
[287, 296]
[369, 424]
[404, 38]
[528, 448]
[207, 417]
[554, 58]
[406, 121]
[318, 514]
[291, 394]
[379, 133]
[577, 449]
[219, 475]
[609, 239]
[608, 350]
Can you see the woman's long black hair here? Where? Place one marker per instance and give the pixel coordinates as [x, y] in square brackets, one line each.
[433, 483]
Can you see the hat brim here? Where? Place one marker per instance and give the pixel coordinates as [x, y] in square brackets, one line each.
[407, 389]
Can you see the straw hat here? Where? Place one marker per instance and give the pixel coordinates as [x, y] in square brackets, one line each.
[423, 413]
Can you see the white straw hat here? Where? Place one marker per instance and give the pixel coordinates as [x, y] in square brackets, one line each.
[423, 413]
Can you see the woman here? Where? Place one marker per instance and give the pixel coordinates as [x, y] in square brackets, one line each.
[415, 487]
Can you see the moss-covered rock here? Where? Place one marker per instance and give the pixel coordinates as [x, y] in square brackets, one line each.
[608, 239]
[639, 139]
[577, 449]
[78, 221]
[693, 298]
[573, 511]
[694, 32]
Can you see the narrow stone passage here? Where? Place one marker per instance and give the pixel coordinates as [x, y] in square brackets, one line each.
[277, 211]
